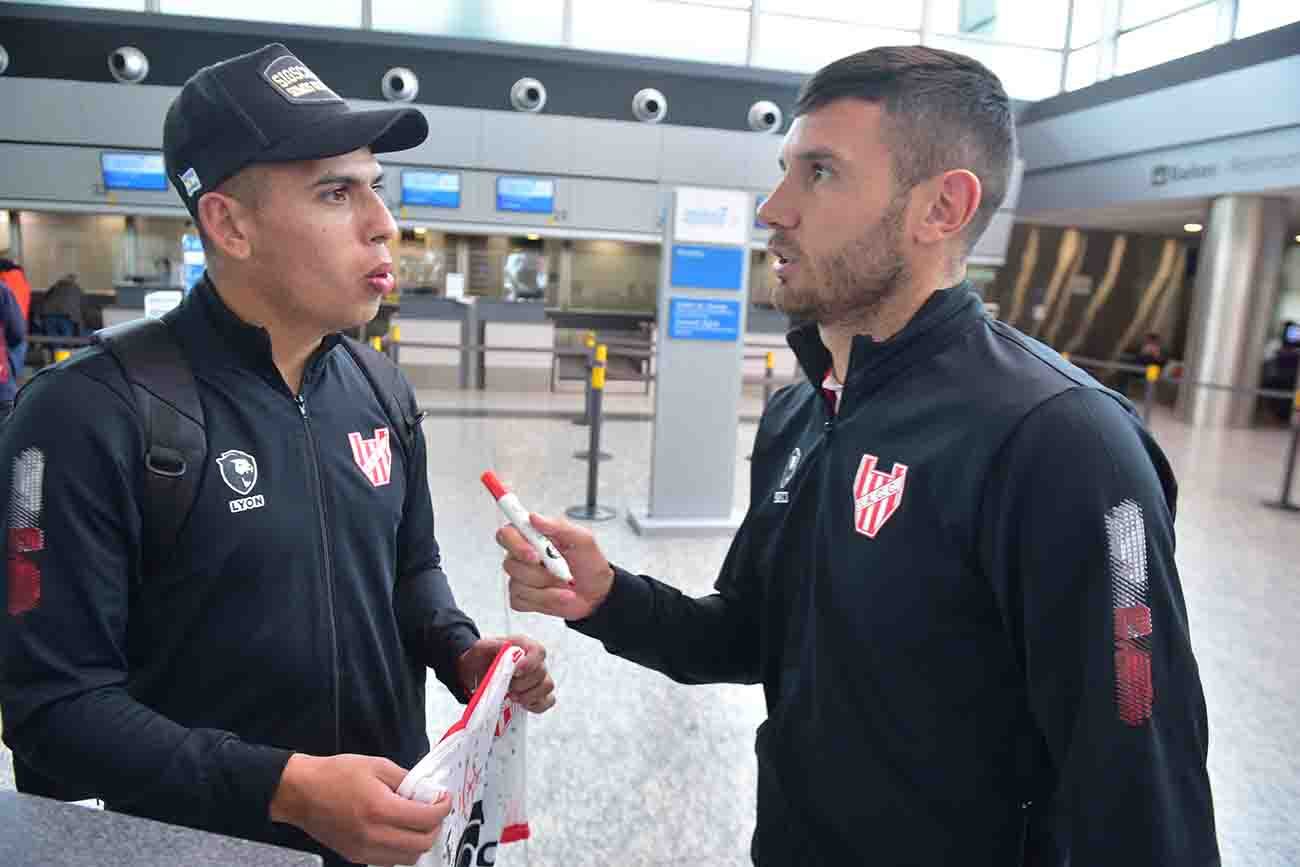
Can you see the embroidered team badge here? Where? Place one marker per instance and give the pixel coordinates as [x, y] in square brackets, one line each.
[239, 472]
[374, 457]
[876, 495]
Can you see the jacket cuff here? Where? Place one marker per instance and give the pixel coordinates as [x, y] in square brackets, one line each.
[454, 643]
[253, 775]
[621, 617]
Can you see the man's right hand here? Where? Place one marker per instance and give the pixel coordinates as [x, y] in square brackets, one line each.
[350, 804]
[532, 588]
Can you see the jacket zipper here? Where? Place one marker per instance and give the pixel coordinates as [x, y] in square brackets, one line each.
[313, 468]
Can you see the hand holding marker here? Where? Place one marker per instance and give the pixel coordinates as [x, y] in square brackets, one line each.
[518, 517]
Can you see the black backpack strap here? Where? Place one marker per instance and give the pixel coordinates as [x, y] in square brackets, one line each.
[175, 443]
[386, 380]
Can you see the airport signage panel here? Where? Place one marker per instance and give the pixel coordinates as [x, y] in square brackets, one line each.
[704, 319]
[699, 267]
[525, 195]
[133, 171]
[711, 216]
[431, 189]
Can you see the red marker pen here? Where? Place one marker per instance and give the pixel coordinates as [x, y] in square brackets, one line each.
[518, 517]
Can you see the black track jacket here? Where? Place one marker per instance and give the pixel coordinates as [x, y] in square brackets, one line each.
[959, 594]
[301, 612]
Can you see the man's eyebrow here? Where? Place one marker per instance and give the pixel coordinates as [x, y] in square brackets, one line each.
[811, 155]
[345, 180]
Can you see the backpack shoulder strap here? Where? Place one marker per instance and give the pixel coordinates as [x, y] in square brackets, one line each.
[175, 441]
[386, 381]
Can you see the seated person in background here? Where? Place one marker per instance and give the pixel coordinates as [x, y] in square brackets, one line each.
[1151, 352]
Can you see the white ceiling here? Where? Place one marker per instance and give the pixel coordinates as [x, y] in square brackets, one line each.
[1157, 218]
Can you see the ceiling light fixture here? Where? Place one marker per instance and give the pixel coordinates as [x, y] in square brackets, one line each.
[1192, 227]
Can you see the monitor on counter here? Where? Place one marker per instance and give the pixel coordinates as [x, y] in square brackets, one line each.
[431, 189]
[124, 170]
[525, 195]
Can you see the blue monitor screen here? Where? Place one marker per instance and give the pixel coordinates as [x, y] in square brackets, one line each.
[431, 189]
[133, 171]
[1291, 334]
[525, 195]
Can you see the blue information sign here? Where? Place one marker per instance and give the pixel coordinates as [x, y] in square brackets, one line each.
[525, 195]
[431, 189]
[699, 267]
[133, 171]
[703, 319]
[193, 260]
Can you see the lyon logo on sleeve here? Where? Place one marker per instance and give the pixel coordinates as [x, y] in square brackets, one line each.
[876, 495]
[374, 457]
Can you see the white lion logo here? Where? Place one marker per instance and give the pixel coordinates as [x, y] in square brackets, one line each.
[239, 470]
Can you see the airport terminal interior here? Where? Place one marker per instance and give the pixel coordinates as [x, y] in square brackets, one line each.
[1151, 234]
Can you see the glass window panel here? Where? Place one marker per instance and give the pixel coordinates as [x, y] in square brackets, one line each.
[540, 22]
[1086, 27]
[613, 275]
[901, 14]
[129, 5]
[807, 44]
[1081, 70]
[1030, 22]
[1256, 16]
[1026, 73]
[1166, 40]
[322, 13]
[683, 31]
[1133, 13]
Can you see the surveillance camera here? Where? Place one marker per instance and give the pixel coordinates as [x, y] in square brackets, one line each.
[649, 105]
[765, 116]
[128, 65]
[528, 94]
[400, 84]
[4, 60]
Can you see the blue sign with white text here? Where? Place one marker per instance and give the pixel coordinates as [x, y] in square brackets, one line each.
[698, 267]
[525, 195]
[133, 171]
[193, 260]
[431, 189]
[703, 319]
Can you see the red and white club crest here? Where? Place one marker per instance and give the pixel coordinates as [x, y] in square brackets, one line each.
[876, 495]
[374, 456]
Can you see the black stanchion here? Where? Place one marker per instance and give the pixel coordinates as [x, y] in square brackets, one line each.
[1153, 376]
[1288, 472]
[601, 361]
[590, 510]
[585, 419]
[394, 338]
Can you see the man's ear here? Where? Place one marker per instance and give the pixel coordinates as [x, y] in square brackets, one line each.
[224, 220]
[954, 197]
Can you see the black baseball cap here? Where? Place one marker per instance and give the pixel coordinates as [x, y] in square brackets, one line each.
[268, 107]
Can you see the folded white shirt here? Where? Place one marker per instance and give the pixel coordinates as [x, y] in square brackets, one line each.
[480, 762]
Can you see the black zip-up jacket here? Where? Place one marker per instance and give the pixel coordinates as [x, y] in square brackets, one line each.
[299, 615]
[959, 594]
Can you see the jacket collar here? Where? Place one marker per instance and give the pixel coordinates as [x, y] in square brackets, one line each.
[219, 336]
[943, 315]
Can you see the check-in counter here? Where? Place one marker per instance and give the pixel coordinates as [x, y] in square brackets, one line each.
[38, 832]
[765, 332]
[432, 319]
[522, 324]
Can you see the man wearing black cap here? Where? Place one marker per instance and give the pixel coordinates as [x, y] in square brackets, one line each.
[264, 675]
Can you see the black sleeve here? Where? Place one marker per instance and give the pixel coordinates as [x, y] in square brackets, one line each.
[433, 628]
[711, 639]
[70, 455]
[1078, 539]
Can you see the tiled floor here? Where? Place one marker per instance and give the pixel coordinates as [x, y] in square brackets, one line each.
[631, 769]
